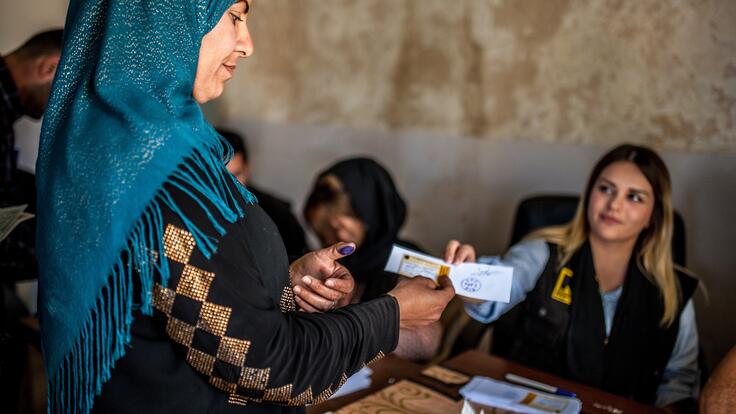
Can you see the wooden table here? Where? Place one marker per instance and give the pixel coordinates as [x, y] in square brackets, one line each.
[391, 369]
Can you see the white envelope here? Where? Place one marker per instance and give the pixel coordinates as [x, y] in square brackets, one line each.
[473, 280]
[481, 281]
[518, 399]
[412, 263]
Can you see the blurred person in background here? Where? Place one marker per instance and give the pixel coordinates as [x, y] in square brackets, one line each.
[279, 210]
[356, 200]
[26, 75]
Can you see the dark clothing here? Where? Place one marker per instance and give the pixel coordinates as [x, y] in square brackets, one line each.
[17, 255]
[225, 336]
[289, 228]
[376, 281]
[377, 202]
[560, 328]
[10, 111]
[17, 252]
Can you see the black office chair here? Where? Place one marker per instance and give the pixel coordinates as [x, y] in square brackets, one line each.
[536, 212]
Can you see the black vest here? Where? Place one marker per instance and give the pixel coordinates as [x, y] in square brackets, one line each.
[560, 328]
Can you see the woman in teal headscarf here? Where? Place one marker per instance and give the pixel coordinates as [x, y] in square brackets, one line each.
[163, 286]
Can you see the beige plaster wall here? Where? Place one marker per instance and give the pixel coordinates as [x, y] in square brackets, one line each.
[464, 188]
[21, 19]
[475, 104]
[570, 71]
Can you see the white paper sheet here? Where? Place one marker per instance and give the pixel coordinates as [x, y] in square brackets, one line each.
[11, 217]
[473, 280]
[481, 281]
[356, 382]
[501, 394]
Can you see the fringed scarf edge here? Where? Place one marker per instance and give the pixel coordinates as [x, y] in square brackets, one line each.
[105, 334]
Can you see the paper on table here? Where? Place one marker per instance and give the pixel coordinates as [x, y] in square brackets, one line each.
[473, 280]
[503, 395]
[11, 217]
[445, 375]
[356, 382]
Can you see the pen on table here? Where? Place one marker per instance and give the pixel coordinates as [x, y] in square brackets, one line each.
[538, 385]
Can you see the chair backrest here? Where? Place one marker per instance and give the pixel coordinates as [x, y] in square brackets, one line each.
[536, 212]
[549, 210]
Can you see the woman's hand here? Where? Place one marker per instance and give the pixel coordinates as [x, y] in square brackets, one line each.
[421, 300]
[457, 253]
[320, 283]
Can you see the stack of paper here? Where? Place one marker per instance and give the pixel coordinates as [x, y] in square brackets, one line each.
[11, 217]
[473, 280]
[358, 381]
[499, 394]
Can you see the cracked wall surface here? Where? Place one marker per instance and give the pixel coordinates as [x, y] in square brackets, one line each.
[407, 82]
[569, 71]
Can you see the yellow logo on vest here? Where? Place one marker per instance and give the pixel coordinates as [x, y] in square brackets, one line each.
[562, 292]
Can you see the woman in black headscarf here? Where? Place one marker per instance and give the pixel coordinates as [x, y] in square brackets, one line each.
[356, 201]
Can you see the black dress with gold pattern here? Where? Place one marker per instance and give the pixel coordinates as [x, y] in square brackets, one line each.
[226, 337]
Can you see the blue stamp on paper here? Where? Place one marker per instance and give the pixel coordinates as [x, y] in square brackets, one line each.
[470, 284]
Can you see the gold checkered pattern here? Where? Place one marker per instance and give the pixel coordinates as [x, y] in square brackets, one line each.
[378, 356]
[181, 332]
[303, 398]
[163, 298]
[200, 361]
[233, 350]
[323, 396]
[286, 303]
[254, 378]
[195, 283]
[278, 394]
[178, 244]
[237, 399]
[343, 380]
[223, 385]
[213, 319]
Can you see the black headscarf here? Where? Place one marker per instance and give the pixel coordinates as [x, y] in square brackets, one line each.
[379, 205]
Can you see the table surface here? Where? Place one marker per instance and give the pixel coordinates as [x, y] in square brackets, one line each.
[391, 369]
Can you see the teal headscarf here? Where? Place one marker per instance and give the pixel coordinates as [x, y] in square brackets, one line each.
[120, 122]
